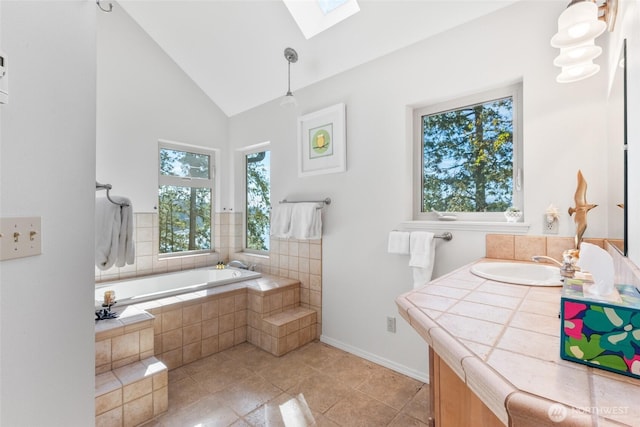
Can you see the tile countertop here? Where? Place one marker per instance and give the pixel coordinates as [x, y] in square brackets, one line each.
[503, 341]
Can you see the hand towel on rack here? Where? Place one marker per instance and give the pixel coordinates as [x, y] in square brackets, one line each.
[126, 249]
[306, 221]
[113, 233]
[281, 220]
[107, 233]
[422, 250]
[398, 242]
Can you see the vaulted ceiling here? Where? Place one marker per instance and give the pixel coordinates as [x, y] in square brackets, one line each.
[233, 49]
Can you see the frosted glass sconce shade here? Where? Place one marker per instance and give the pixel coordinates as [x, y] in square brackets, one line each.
[577, 72]
[578, 24]
[578, 27]
[577, 54]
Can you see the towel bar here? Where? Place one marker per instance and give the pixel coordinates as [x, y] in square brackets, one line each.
[108, 187]
[326, 201]
[444, 236]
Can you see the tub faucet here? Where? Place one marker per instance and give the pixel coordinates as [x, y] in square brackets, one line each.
[240, 264]
[568, 265]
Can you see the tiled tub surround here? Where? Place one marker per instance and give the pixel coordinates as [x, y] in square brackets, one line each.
[180, 329]
[502, 341]
[131, 383]
[294, 259]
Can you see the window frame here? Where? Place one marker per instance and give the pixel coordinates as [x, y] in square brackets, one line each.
[246, 151]
[514, 91]
[176, 181]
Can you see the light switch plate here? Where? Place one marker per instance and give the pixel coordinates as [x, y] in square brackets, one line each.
[20, 237]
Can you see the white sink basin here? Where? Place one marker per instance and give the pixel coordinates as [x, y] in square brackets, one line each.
[519, 273]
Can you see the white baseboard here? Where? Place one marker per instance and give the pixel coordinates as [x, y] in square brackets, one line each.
[418, 375]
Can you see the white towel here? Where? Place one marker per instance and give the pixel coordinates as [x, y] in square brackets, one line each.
[422, 250]
[107, 232]
[398, 242]
[281, 220]
[126, 249]
[306, 221]
[113, 233]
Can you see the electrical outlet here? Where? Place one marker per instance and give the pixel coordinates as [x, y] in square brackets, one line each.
[549, 227]
[391, 324]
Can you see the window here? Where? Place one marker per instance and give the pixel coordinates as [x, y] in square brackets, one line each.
[469, 156]
[185, 193]
[258, 201]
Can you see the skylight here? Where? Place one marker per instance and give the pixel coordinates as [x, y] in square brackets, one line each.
[313, 17]
[328, 5]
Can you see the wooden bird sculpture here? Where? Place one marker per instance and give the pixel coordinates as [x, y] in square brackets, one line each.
[581, 209]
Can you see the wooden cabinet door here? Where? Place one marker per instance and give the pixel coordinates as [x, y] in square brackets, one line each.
[453, 403]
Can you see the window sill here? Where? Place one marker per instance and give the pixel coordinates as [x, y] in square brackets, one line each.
[264, 256]
[185, 255]
[479, 226]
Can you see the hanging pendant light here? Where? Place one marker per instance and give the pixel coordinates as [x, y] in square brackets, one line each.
[291, 56]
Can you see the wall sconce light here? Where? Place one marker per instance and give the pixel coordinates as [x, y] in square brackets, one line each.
[291, 56]
[578, 26]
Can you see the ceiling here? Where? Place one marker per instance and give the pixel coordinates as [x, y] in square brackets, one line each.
[234, 49]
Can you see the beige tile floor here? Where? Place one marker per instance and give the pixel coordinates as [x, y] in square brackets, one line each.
[316, 385]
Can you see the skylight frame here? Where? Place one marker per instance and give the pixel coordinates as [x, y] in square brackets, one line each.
[311, 18]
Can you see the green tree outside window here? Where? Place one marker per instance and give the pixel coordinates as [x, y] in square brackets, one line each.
[258, 197]
[184, 210]
[468, 158]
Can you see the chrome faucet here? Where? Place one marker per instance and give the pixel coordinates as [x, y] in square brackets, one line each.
[240, 264]
[568, 265]
[540, 258]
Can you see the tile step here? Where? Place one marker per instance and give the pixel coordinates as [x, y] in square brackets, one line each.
[131, 394]
[291, 315]
[286, 331]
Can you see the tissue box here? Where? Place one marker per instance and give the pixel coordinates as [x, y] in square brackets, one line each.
[601, 332]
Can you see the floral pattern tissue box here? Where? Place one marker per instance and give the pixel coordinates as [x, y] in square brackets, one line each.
[602, 333]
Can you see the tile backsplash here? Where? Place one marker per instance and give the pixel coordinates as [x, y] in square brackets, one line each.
[523, 247]
[227, 235]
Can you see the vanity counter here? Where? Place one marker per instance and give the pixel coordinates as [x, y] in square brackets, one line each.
[502, 341]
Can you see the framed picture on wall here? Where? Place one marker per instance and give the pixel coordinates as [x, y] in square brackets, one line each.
[322, 141]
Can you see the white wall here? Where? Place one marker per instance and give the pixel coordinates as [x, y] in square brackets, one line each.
[564, 130]
[47, 169]
[143, 96]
